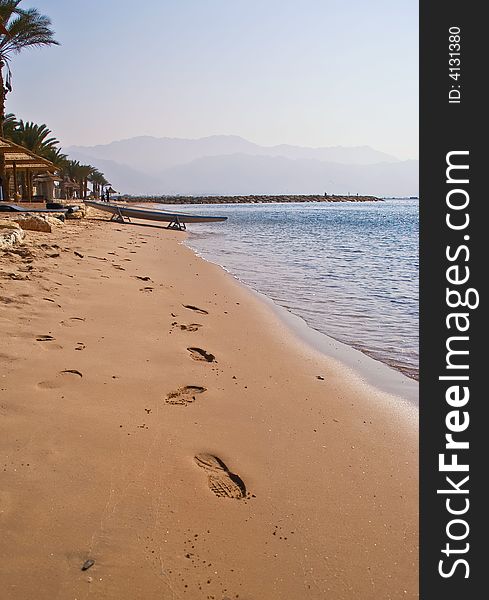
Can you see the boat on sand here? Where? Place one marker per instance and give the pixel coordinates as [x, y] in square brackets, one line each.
[120, 212]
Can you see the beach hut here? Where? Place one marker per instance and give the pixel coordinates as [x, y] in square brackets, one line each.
[45, 185]
[16, 164]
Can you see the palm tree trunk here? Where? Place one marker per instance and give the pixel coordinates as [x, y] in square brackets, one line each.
[24, 185]
[2, 177]
[16, 181]
[29, 186]
[2, 98]
[2, 116]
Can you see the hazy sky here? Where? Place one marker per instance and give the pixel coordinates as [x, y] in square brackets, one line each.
[306, 72]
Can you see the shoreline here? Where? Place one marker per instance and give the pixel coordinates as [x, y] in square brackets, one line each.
[377, 335]
[372, 371]
[142, 382]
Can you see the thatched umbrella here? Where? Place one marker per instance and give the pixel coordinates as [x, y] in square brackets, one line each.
[109, 191]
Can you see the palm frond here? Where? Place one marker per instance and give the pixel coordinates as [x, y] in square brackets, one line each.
[7, 9]
[36, 138]
[26, 28]
[10, 123]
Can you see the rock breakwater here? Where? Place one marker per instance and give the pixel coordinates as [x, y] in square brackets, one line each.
[251, 199]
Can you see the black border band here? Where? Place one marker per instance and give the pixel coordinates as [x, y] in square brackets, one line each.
[452, 210]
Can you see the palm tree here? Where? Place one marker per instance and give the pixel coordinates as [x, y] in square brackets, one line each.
[75, 171]
[98, 181]
[56, 156]
[35, 138]
[70, 174]
[19, 28]
[39, 140]
[25, 28]
[84, 171]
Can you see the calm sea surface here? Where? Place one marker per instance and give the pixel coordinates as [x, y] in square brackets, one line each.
[350, 270]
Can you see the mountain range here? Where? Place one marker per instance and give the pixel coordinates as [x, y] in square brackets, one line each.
[231, 165]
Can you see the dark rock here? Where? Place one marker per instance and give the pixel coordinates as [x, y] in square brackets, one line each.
[87, 564]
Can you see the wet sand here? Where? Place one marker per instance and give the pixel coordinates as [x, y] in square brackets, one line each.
[158, 419]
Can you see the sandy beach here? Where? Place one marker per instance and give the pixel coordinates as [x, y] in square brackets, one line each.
[158, 419]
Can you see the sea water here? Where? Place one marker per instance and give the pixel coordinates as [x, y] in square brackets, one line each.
[350, 270]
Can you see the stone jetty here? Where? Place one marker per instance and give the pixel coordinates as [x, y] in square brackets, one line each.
[251, 199]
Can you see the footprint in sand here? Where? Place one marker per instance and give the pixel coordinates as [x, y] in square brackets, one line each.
[145, 278]
[221, 480]
[199, 354]
[191, 327]
[185, 395]
[73, 321]
[97, 257]
[48, 342]
[63, 377]
[71, 372]
[195, 309]
[44, 338]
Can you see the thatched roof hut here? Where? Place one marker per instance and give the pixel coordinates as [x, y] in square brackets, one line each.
[16, 160]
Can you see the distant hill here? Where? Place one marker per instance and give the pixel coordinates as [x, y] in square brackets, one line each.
[232, 165]
[243, 175]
